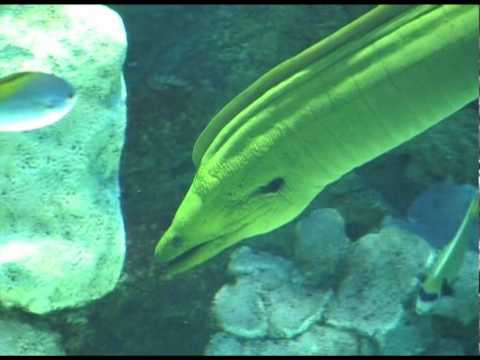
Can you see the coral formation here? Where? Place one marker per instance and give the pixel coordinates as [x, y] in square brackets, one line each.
[381, 275]
[322, 264]
[62, 240]
[18, 337]
[368, 309]
[268, 298]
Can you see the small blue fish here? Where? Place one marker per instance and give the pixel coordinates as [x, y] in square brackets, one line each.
[32, 100]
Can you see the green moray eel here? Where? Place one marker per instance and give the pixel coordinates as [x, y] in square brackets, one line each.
[444, 270]
[371, 86]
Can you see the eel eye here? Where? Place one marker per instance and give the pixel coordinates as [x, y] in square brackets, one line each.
[273, 186]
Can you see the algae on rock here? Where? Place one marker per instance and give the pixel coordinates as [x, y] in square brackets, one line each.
[62, 240]
[19, 338]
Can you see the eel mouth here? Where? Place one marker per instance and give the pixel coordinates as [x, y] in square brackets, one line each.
[185, 257]
[197, 255]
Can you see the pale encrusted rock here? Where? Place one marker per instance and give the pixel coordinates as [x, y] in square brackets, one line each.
[321, 246]
[62, 239]
[269, 298]
[382, 273]
[19, 338]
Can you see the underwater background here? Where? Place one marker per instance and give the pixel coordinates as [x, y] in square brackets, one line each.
[183, 64]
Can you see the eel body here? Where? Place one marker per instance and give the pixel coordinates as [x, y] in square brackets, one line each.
[371, 86]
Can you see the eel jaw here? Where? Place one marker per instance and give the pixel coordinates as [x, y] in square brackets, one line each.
[181, 261]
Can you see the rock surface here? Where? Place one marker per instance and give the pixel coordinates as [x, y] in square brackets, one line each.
[321, 246]
[406, 336]
[271, 310]
[62, 240]
[320, 340]
[382, 273]
[463, 304]
[268, 299]
[240, 310]
[18, 338]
